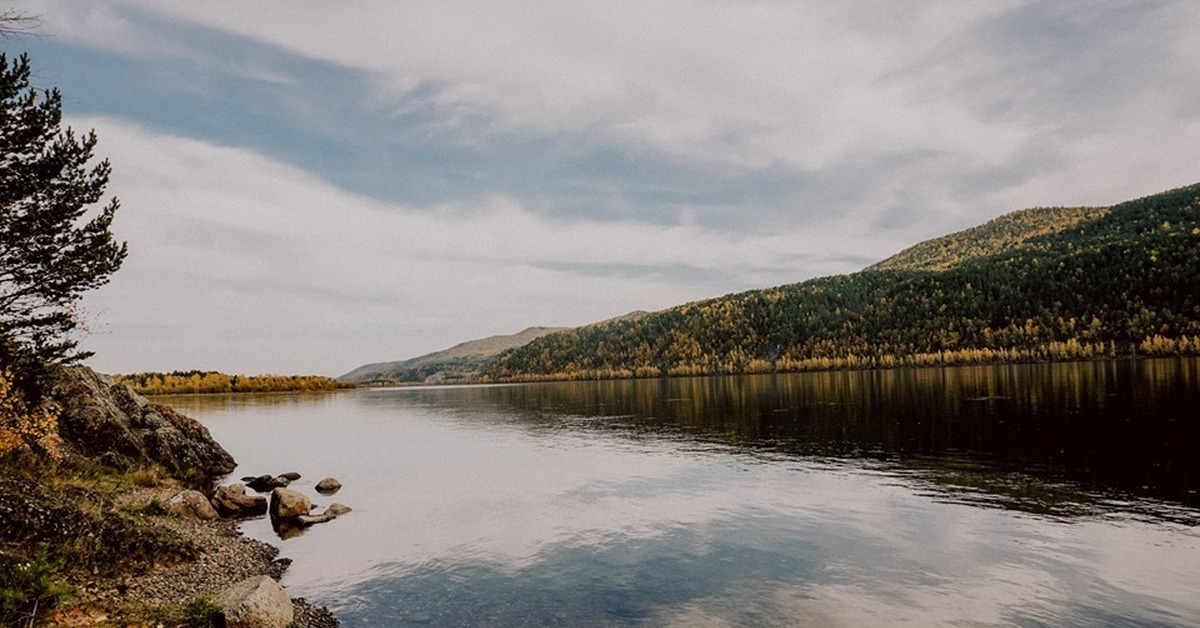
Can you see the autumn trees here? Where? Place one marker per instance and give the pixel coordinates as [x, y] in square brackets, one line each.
[1039, 285]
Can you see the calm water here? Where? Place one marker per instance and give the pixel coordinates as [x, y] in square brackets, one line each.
[1019, 495]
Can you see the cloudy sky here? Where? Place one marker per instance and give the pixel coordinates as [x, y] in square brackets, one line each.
[312, 186]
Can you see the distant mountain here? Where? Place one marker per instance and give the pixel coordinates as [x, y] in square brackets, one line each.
[457, 362]
[1036, 284]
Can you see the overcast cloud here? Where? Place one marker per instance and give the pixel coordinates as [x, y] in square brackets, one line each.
[312, 187]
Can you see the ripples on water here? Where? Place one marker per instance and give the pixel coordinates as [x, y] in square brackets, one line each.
[1026, 495]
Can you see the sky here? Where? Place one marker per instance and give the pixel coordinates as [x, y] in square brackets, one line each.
[305, 189]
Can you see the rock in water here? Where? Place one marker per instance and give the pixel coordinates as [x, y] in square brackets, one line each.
[232, 501]
[337, 509]
[328, 486]
[101, 418]
[264, 483]
[257, 602]
[331, 513]
[288, 504]
[308, 520]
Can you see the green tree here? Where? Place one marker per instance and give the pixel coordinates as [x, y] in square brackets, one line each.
[55, 242]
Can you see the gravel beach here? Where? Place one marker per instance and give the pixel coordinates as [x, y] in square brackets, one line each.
[224, 557]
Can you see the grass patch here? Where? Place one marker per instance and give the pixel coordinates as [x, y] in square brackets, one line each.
[30, 587]
[72, 511]
[200, 612]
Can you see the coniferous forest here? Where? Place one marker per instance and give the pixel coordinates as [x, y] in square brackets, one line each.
[1036, 284]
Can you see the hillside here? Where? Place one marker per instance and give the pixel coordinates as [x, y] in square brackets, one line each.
[996, 236]
[454, 363]
[1032, 285]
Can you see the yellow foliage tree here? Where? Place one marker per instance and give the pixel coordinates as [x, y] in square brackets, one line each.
[21, 426]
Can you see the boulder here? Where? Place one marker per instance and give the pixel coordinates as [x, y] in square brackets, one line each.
[328, 486]
[192, 504]
[290, 476]
[232, 501]
[257, 602]
[288, 504]
[336, 509]
[101, 418]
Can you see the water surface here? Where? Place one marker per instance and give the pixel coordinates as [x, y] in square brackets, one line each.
[1010, 495]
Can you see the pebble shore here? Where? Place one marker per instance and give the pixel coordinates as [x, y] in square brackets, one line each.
[225, 557]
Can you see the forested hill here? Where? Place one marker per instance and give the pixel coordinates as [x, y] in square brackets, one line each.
[997, 236]
[1035, 284]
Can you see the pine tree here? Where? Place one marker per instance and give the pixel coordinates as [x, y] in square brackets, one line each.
[55, 242]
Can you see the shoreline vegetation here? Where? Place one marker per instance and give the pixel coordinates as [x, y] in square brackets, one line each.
[104, 498]
[1069, 351]
[1054, 352]
[214, 382]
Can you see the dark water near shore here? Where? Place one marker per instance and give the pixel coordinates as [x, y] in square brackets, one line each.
[1013, 495]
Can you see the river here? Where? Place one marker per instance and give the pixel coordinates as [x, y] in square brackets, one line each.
[1030, 495]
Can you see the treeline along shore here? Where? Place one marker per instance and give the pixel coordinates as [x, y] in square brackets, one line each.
[213, 382]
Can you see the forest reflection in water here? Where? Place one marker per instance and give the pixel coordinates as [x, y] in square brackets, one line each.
[1038, 494]
[1026, 436]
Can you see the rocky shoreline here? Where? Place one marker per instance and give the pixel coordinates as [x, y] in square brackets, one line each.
[110, 505]
[224, 558]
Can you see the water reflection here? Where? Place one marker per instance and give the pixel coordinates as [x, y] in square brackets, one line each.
[839, 499]
[1031, 436]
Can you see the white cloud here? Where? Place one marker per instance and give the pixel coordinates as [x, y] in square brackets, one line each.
[235, 257]
[751, 85]
[914, 119]
[744, 84]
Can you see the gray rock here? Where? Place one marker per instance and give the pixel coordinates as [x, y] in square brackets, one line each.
[257, 602]
[191, 504]
[232, 501]
[288, 504]
[328, 486]
[103, 418]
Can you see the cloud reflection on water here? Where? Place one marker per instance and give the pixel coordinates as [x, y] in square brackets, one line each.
[529, 506]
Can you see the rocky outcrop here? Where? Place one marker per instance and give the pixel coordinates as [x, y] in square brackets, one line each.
[106, 420]
[257, 602]
[232, 501]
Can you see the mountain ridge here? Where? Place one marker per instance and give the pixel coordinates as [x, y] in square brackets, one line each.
[1038, 284]
[459, 359]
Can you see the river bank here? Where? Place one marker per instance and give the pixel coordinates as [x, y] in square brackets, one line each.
[90, 534]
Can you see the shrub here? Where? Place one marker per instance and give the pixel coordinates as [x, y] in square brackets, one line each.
[20, 425]
[28, 588]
